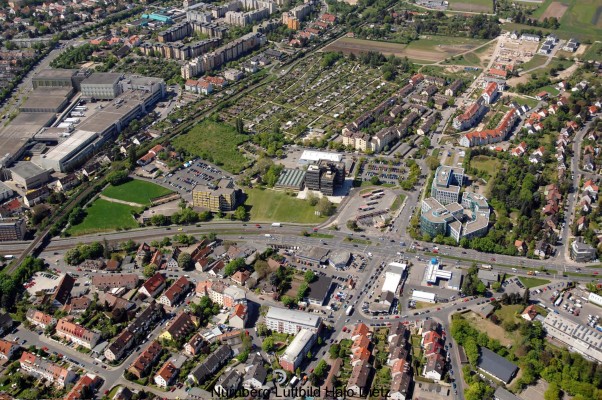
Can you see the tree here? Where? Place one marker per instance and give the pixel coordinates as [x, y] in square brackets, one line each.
[320, 370]
[241, 213]
[132, 158]
[268, 344]
[432, 162]
[312, 199]
[159, 220]
[325, 207]
[116, 178]
[205, 216]
[375, 180]
[234, 266]
[185, 261]
[334, 350]
[553, 392]
[496, 286]
[150, 270]
[309, 276]
[287, 301]
[262, 330]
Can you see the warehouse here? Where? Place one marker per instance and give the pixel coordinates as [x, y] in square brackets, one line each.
[28, 175]
[102, 86]
[419, 295]
[47, 100]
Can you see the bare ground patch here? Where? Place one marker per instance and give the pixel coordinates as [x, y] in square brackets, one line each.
[555, 9]
[494, 331]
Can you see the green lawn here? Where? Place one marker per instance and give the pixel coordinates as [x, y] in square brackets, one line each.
[104, 216]
[136, 191]
[269, 205]
[358, 241]
[537, 61]
[593, 52]
[215, 142]
[398, 202]
[550, 89]
[533, 282]
[508, 313]
[485, 163]
[321, 235]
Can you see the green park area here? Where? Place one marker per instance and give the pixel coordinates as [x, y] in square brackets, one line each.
[273, 206]
[478, 6]
[487, 168]
[216, 142]
[533, 282]
[136, 191]
[105, 216]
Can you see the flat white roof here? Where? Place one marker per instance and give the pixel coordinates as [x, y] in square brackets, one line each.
[299, 317]
[432, 272]
[312, 155]
[595, 298]
[391, 282]
[397, 267]
[72, 144]
[420, 295]
[294, 349]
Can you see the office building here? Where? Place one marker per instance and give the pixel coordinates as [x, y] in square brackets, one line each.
[447, 183]
[220, 198]
[326, 176]
[290, 321]
[582, 252]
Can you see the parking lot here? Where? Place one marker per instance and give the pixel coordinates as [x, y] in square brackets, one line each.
[197, 172]
[574, 304]
[388, 171]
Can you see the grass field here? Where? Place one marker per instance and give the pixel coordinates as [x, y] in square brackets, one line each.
[136, 191]
[215, 142]
[550, 89]
[593, 52]
[485, 6]
[533, 282]
[508, 313]
[427, 50]
[104, 216]
[485, 163]
[537, 61]
[270, 206]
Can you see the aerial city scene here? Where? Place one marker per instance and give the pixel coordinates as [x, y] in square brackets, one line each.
[301, 199]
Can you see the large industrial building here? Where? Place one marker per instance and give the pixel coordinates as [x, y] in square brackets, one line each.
[29, 175]
[12, 229]
[579, 338]
[65, 147]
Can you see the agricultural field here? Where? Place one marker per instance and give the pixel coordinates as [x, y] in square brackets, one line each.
[428, 50]
[578, 18]
[593, 52]
[105, 216]
[476, 6]
[215, 142]
[271, 206]
[136, 191]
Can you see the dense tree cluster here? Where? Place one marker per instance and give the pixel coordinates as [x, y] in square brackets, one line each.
[83, 252]
[11, 284]
[472, 284]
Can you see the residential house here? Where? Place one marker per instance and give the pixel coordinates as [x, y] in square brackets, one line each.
[166, 375]
[227, 385]
[358, 383]
[144, 362]
[180, 327]
[255, 376]
[433, 369]
[194, 345]
[39, 318]
[210, 365]
[529, 313]
[238, 316]
[8, 349]
[39, 368]
[76, 333]
[114, 281]
[153, 285]
[175, 293]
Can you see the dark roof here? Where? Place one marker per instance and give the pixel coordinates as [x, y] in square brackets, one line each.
[318, 289]
[258, 372]
[503, 394]
[496, 365]
[63, 290]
